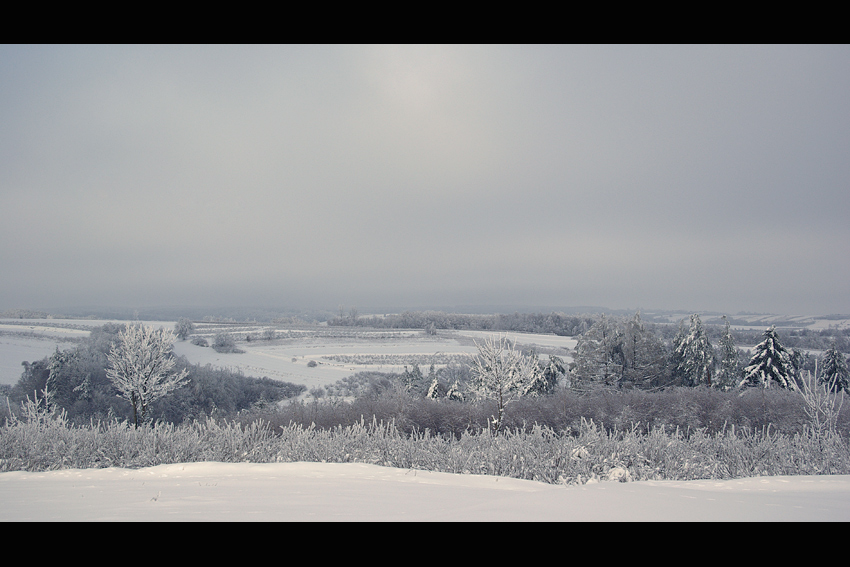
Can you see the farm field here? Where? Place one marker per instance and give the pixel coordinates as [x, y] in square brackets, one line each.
[341, 352]
[337, 351]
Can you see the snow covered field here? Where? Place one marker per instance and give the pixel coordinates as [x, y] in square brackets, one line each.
[282, 359]
[363, 492]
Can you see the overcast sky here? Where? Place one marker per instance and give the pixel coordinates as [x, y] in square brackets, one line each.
[654, 177]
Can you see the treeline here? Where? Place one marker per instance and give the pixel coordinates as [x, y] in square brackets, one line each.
[626, 353]
[573, 325]
[552, 323]
[76, 381]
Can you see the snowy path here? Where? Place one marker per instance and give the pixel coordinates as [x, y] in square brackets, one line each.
[362, 492]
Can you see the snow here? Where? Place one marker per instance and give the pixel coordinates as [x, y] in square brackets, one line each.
[363, 492]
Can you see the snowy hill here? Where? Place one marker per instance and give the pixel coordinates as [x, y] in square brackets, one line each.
[363, 492]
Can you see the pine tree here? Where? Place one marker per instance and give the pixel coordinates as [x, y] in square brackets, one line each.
[644, 355]
[544, 377]
[455, 392]
[694, 355]
[771, 364]
[436, 389]
[728, 374]
[597, 353]
[834, 369]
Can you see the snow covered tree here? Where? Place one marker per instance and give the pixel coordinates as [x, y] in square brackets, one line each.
[770, 364]
[694, 355]
[183, 328]
[436, 389]
[834, 369]
[598, 353]
[500, 372]
[140, 367]
[413, 380]
[546, 379]
[455, 392]
[644, 357]
[729, 372]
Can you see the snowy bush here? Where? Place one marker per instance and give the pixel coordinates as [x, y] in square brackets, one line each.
[44, 441]
[224, 343]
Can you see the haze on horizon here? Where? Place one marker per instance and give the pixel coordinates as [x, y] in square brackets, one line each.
[694, 177]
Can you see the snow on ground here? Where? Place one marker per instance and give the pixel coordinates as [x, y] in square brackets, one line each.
[282, 359]
[364, 492]
[16, 349]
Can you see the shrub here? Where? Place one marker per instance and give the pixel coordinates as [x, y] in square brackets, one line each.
[224, 343]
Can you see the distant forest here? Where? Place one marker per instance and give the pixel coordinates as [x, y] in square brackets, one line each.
[578, 324]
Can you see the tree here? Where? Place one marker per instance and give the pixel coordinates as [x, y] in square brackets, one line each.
[769, 364]
[644, 357]
[549, 374]
[413, 381]
[694, 355]
[140, 366]
[184, 328]
[729, 372]
[598, 353]
[502, 373]
[834, 369]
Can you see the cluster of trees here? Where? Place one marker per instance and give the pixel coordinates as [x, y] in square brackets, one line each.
[574, 325]
[613, 354]
[130, 372]
[627, 353]
[551, 323]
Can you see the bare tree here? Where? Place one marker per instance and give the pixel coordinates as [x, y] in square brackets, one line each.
[502, 373]
[140, 367]
[823, 401]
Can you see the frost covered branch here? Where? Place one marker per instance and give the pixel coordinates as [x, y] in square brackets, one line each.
[140, 367]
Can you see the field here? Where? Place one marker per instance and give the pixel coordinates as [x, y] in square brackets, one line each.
[337, 352]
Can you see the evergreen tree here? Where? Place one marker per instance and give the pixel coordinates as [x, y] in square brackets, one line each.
[770, 364]
[544, 377]
[413, 380]
[455, 392]
[834, 369]
[729, 373]
[694, 355]
[597, 352]
[644, 360]
[436, 389]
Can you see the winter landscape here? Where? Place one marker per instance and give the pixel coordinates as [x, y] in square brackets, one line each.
[424, 282]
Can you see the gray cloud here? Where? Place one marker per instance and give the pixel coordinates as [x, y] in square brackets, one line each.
[694, 177]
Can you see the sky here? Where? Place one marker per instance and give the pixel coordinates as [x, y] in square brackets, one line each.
[381, 177]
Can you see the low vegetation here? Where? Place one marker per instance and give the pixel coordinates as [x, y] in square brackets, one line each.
[65, 413]
[45, 440]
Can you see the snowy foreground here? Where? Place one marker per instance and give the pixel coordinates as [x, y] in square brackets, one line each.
[362, 492]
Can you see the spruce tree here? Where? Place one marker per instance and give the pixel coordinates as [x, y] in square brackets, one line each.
[596, 353]
[728, 374]
[834, 369]
[695, 355]
[770, 365]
